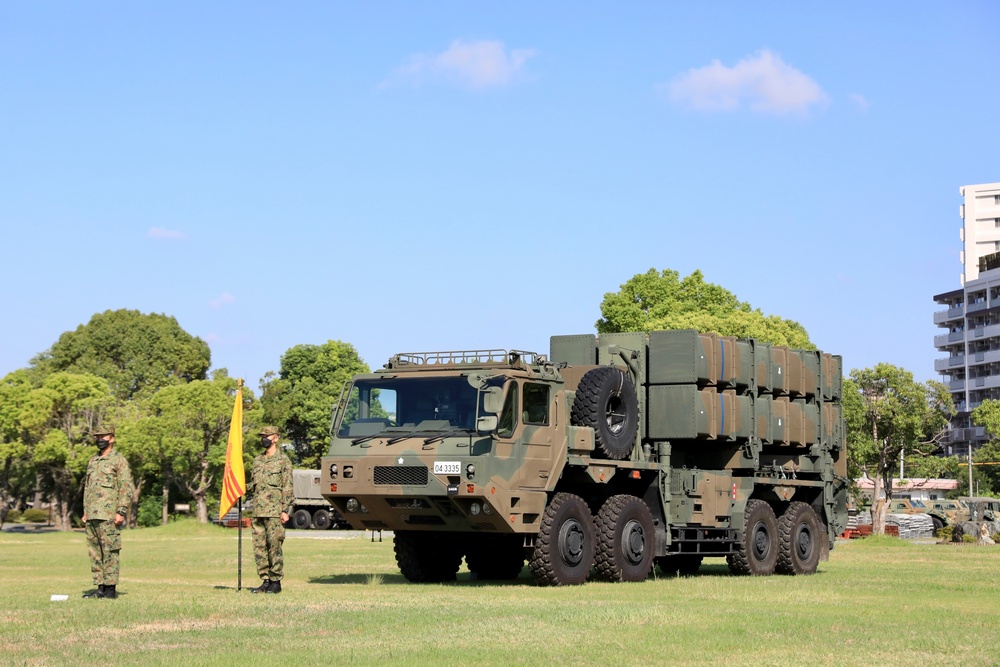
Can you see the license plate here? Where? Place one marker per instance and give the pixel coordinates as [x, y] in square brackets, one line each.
[447, 467]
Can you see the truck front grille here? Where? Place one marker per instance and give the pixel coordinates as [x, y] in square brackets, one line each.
[400, 475]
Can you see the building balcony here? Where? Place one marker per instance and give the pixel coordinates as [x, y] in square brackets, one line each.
[942, 316]
[951, 337]
[974, 434]
[978, 333]
[949, 362]
[976, 358]
[956, 385]
[973, 307]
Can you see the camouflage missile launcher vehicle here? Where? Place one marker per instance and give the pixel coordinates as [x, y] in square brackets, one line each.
[613, 454]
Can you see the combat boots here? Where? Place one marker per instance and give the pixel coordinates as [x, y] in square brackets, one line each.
[99, 593]
[275, 587]
[263, 588]
[109, 593]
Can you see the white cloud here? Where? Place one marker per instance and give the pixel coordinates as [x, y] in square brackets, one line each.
[477, 65]
[223, 299]
[860, 100]
[763, 82]
[160, 233]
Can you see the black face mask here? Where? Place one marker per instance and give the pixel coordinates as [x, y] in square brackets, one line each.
[103, 444]
[265, 442]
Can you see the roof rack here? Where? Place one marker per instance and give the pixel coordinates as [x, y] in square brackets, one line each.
[495, 357]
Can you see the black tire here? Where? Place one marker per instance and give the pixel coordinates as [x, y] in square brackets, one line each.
[426, 557]
[321, 519]
[606, 402]
[301, 519]
[625, 540]
[495, 557]
[682, 565]
[799, 543]
[938, 524]
[757, 553]
[564, 548]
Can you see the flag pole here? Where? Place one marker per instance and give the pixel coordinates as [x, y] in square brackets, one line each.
[239, 546]
[239, 505]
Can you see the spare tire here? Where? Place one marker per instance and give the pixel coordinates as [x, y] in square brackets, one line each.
[606, 402]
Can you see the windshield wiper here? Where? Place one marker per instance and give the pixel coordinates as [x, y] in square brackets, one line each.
[400, 438]
[442, 436]
[366, 438]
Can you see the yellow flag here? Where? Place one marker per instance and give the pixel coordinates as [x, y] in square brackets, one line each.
[234, 483]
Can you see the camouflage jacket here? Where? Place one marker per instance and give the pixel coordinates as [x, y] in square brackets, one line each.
[107, 487]
[271, 485]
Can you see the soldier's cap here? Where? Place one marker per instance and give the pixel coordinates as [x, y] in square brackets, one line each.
[103, 429]
[269, 430]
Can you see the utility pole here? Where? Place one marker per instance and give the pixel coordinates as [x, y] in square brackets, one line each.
[970, 469]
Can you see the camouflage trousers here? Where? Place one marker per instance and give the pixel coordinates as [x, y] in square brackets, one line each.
[268, 535]
[104, 543]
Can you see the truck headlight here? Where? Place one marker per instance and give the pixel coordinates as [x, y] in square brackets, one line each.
[352, 504]
[333, 471]
[474, 509]
[470, 471]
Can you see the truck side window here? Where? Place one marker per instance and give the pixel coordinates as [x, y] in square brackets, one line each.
[536, 403]
[508, 418]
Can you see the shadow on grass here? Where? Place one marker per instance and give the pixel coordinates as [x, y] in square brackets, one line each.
[463, 579]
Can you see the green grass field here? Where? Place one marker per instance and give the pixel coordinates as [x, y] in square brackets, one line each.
[344, 603]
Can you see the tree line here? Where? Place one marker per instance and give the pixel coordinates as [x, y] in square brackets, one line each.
[151, 378]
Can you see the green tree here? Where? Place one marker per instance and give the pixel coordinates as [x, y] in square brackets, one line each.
[16, 469]
[187, 440]
[300, 399]
[888, 413]
[655, 301]
[987, 415]
[56, 420]
[135, 352]
[154, 440]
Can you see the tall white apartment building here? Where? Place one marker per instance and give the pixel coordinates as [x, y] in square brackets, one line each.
[971, 319]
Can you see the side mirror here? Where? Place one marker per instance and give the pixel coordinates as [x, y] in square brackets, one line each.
[486, 424]
[493, 400]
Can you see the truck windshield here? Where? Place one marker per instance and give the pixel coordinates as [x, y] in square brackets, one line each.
[410, 404]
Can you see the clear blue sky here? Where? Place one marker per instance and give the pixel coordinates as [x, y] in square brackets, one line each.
[412, 176]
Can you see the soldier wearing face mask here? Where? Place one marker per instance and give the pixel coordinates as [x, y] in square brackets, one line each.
[106, 498]
[271, 489]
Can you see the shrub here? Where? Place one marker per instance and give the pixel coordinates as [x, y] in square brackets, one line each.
[968, 538]
[996, 537]
[945, 533]
[150, 511]
[36, 516]
[13, 516]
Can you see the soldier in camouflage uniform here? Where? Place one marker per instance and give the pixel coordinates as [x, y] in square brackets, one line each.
[106, 498]
[271, 488]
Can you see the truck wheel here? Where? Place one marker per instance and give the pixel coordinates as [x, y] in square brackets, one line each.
[564, 549]
[426, 557]
[606, 402]
[301, 519]
[799, 541]
[938, 524]
[625, 540]
[321, 519]
[683, 565]
[497, 557]
[757, 553]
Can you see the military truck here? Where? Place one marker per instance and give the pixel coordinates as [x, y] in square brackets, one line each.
[311, 509]
[977, 513]
[612, 454]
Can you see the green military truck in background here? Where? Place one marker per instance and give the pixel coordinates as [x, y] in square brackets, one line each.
[311, 509]
[614, 453]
